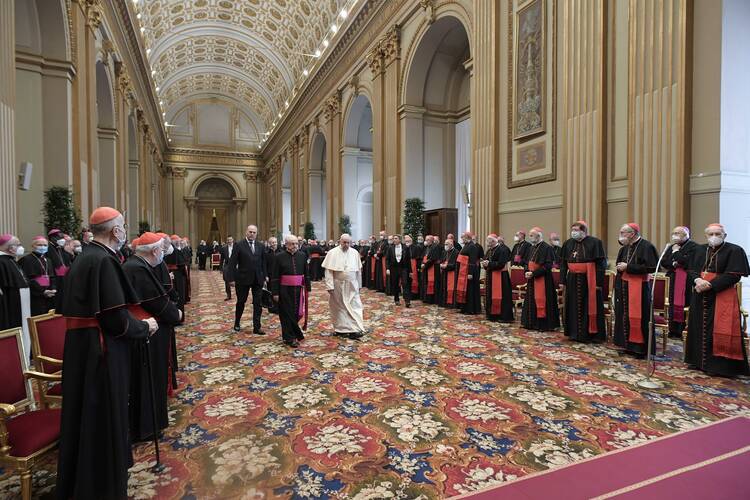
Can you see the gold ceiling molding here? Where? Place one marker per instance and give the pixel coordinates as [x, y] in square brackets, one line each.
[267, 42]
[346, 55]
[211, 157]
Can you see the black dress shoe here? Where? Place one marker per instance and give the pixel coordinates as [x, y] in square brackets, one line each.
[397, 302]
[258, 332]
[292, 343]
[236, 328]
[408, 305]
[227, 299]
[356, 335]
[301, 336]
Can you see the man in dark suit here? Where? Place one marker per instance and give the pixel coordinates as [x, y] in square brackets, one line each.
[225, 254]
[398, 262]
[247, 266]
[202, 255]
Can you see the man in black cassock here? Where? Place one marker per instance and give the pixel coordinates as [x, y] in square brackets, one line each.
[202, 252]
[540, 311]
[166, 278]
[372, 264]
[380, 250]
[556, 244]
[139, 269]
[398, 262]
[415, 259]
[635, 261]
[676, 262]
[521, 247]
[364, 251]
[187, 254]
[498, 303]
[12, 283]
[468, 288]
[583, 264]
[315, 253]
[60, 261]
[431, 272]
[448, 276]
[714, 340]
[94, 450]
[37, 267]
[290, 285]
[176, 265]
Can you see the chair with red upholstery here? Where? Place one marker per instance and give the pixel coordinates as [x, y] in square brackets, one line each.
[518, 285]
[661, 308]
[215, 261]
[47, 343]
[26, 434]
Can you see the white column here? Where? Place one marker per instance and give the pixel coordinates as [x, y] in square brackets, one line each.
[8, 173]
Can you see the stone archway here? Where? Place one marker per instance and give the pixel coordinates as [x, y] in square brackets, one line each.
[357, 168]
[435, 118]
[214, 195]
[318, 191]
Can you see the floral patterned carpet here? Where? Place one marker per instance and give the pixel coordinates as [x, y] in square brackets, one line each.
[431, 404]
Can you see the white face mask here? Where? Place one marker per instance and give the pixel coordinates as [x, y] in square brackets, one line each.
[121, 241]
[715, 241]
[20, 251]
[169, 250]
[556, 243]
[60, 242]
[447, 248]
[676, 239]
[516, 239]
[77, 249]
[534, 241]
[577, 235]
[623, 240]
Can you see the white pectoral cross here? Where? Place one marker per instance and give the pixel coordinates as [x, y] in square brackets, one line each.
[575, 254]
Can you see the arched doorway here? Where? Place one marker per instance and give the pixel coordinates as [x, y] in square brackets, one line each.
[286, 197]
[43, 92]
[436, 120]
[104, 181]
[318, 192]
[356, 166]
[214, 196]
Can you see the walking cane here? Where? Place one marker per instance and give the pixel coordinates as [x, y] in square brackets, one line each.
[158, 467]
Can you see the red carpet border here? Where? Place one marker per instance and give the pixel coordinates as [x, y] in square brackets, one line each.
[432, 404]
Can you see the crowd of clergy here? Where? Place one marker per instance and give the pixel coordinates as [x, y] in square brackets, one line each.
[123, 300]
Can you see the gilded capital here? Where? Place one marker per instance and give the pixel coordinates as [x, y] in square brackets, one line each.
[94, 13]
[177, 172]
[429, 7]
[375, 60]
[391, 45]
[251, 176]
[332, 106]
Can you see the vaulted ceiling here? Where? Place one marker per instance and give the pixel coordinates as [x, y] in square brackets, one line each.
[252, 55]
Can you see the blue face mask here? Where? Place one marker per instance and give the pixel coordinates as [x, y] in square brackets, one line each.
[160, 259]
[41, 250]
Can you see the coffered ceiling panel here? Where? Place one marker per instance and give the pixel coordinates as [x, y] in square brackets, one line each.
[253, 50]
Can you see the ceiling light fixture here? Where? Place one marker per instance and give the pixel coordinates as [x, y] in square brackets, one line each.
[157, 89]
[153, 72]
[334, 28]
[325, 43]
[305, 72]
[163, 113]
[148, 52]
[143, 29]
[161, 103]
[343, 14]
[138, 16]
[317, 52]
[279, 114]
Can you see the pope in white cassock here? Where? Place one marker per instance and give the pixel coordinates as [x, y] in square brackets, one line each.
[343, 278]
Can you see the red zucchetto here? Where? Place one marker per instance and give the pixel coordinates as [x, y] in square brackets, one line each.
[103, 214]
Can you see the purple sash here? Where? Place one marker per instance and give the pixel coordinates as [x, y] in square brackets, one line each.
[61, 270]
[296, 280]
[42, 280]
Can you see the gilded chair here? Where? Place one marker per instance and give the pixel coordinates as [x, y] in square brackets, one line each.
[608, 287]
[47, 345]
[26, 433]
[661, 308]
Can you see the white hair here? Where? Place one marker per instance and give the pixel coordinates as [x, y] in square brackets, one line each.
[290, 238]
[345, 236]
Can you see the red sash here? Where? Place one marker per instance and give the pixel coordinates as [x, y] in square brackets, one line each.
[450, 281]
[678, 307]
[372, 268]
[635, 313]
[172, 267]
[382, 261]
[314, 255]
[76, 323]
[589, 269]
[495, 295]
[727, 334]
[414, 280]
[540, 296]
[298, 280]
[463, 278]
[430, 278]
